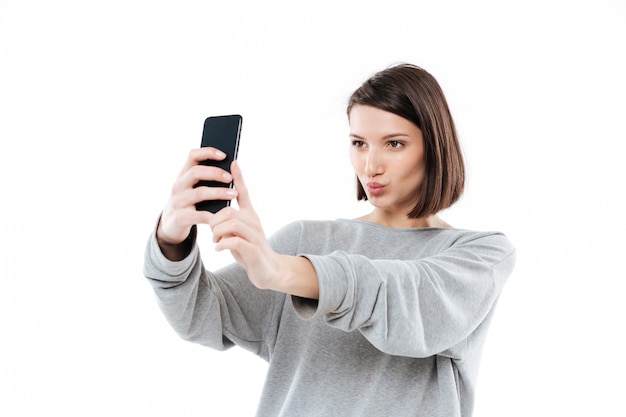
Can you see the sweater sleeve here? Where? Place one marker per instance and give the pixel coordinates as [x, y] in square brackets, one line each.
[415, 308]
[215, 309]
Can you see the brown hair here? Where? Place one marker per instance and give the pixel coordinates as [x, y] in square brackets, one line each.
[412, 93]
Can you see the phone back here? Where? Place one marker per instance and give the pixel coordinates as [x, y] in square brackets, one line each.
[221, 132]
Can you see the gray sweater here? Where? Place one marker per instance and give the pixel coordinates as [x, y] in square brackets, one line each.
[398, 329]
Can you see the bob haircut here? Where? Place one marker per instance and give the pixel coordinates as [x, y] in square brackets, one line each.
[412, 93]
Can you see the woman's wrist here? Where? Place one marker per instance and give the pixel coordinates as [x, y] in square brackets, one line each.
[298, 277]
[177, 251]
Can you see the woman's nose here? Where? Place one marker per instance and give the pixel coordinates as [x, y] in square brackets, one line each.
[373, 163]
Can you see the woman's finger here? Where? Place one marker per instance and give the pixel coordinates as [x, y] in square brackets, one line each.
[197, 173]
[243, 196]
[202, 154]
[191, 196]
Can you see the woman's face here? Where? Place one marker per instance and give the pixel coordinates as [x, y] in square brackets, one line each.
[387, 154]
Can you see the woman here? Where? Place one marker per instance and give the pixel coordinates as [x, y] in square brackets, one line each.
[384, 315]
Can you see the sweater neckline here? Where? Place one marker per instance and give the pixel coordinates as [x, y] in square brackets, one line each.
[401, 229]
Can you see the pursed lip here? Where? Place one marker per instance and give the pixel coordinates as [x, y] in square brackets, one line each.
[374, 188]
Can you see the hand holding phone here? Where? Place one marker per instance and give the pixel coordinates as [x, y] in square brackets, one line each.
[220, 132]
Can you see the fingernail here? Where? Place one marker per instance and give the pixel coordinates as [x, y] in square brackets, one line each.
[220, 154]
[227, 176]
[231, 193]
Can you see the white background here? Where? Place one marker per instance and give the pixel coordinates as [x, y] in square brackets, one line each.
[100, 102]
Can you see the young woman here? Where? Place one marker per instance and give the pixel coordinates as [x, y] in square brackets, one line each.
[384, 315]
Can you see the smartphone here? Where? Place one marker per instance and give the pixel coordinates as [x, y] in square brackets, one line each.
[221, 132]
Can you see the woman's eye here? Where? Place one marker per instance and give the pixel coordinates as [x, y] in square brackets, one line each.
[358, 143]
[395, 144]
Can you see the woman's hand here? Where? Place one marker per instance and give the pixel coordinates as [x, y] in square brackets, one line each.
[180, 212]
[240, 231]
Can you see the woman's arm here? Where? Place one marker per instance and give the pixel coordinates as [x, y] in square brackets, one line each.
[214, 309]
[412, 308]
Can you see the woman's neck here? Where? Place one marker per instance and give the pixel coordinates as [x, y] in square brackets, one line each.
[404, 222]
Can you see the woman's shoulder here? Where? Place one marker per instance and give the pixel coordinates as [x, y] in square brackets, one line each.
[355, 225]
[432, 240]
[377, 241]
[360, 235]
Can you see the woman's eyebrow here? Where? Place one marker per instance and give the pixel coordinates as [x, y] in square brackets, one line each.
[395, 135]
[389, 136]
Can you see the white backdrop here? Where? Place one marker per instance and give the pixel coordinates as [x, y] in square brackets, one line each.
[100, 102]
